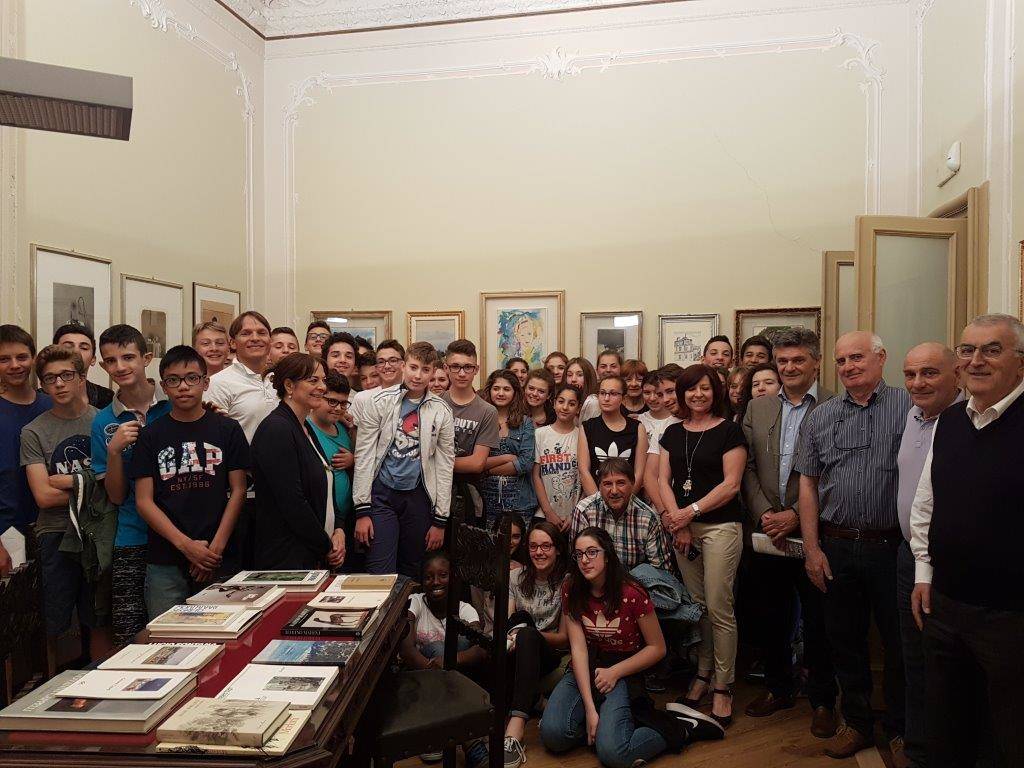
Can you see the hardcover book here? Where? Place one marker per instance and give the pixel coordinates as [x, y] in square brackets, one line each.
[303, 652]
[204, 621]
[120, 684]
[310, 621]
[348, 601]
[258, 596]
[300, 688]
[277, 745]
[224, 723]
[163, 656]
[292, 581]
[363, 581]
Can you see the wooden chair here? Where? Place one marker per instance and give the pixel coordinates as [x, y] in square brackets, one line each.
[20, 630]
[435, 710]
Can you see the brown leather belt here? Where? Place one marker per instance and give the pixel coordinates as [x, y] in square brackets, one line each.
[861, 534]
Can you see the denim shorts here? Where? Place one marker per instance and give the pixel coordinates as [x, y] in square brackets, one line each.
[64, 587]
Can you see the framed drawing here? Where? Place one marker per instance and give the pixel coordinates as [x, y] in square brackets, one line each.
[681, 338]
[439, 328]
[526, 324]
[213, 304]
[620, 332]
[155, 308]
[68, 287]
[372, 326]
[768, 322]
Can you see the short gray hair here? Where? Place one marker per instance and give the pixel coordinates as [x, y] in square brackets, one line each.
[797, 337]
[1010, 321]
[877, 345]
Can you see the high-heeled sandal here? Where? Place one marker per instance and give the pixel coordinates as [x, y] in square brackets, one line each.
[726, 720]
[696, 702]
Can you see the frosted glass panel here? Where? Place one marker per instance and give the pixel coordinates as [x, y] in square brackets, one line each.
[911, 292]
[846, 306]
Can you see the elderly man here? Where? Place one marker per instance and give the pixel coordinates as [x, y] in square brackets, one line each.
[771, 489]
[851, 532]
[967, 524]
[632, 524]
[930, 373]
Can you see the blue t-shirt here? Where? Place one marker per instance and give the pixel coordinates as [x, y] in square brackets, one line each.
[17, 507]
[132, 530]
[401, 469]
[331, 444]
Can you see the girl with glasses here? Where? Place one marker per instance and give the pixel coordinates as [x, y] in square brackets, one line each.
[610, 435]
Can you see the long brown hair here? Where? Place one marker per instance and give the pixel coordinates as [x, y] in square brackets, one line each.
[517, 409]
[615, 578]
[528, 584]
[589, 374]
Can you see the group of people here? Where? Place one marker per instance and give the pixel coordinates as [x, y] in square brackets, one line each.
[256, 449]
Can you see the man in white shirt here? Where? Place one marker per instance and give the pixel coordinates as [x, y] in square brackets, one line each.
[240, 390]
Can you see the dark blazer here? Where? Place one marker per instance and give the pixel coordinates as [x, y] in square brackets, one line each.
[291, 494]
[761, 425]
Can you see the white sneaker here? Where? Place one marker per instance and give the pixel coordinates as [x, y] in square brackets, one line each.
[432, 757]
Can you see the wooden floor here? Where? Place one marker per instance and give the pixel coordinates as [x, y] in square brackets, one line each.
[779, 741]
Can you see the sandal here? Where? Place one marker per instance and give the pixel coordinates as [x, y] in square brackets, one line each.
[723, 720]
[694, 703]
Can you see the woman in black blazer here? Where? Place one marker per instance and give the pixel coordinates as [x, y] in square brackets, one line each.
[291, 478]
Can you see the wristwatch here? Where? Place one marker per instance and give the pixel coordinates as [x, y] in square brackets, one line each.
[696, 509]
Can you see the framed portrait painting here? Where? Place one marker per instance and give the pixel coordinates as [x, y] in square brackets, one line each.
[155, 308]
[527, 324]
[69, 287]
[768, 322]
[620, 332]
[438, 328]
[213, 304]
[681, 338]
[374, 326]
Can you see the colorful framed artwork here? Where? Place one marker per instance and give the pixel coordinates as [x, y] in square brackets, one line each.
[438, 328]
[681, 338]
[620, 332]
[69, 287]
[374, 326]
[155, 307]
[213, 304]
[768, 322]
[526, 324]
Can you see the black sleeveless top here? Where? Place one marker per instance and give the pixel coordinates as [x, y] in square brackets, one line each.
[603, 443]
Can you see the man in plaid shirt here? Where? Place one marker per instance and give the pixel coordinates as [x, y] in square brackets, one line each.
[632, 524]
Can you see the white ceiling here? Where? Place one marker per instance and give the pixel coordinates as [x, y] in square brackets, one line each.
[287, 18]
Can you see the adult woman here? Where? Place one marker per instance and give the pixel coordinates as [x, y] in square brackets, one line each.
[702, 461]
[538, 390]
[519, 367]
[610, 435]
[581, 374]
[735, 383]
[634, 403]
[295, 514]
[506, 485]
[534, 599]
[613, 637]
[556, 363]
[211, 342]
[762, 381]
[440, 381]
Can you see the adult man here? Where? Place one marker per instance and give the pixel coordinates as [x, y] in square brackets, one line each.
[609, 363]
[81, 339]
[317, 333]
[632, 524]
[240, 390]
[771, 489]
[930, 374]
[967, 523]
[847, 461]
[718, 353]
[755, 351]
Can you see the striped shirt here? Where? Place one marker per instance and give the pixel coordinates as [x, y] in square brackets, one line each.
[637, 533]
[852, 450]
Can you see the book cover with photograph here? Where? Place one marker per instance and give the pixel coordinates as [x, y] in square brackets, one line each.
[348, 601]
[310, 621]
[292, 581]
[163, 656]
[301, 652]
[213, 622]
[278, 744]
[299, 687]
[257, 596]
[119, 684]
[224, 723]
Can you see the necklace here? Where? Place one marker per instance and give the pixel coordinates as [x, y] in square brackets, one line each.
[688, 484]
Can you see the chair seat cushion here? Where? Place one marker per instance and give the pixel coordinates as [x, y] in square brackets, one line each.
[423, 710]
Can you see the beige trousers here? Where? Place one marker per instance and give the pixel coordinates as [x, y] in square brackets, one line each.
[710, 578]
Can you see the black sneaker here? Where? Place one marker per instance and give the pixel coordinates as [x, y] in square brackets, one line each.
[515, 755]
[701, 727]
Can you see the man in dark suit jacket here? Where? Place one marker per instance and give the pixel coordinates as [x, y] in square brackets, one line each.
[771, 489]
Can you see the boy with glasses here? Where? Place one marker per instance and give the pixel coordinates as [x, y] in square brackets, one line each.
[317, 333]
[189, 472]
[389, 365]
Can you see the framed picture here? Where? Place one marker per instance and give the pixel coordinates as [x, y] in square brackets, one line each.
[372, 326]
[439, 328]
[155, 308]
[527, 324]
[768, 322]
[621, 332]
[681, 338]
[69, 287]
[213, 304]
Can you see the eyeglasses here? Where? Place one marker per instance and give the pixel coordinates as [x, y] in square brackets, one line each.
[65, 376]
[586, 554]
[174, 382]
[546, 546]
[848, 435]
[389, 362]
[332, 403]
[469, 368]
[991, 351]
[317, 336]
[606, 393]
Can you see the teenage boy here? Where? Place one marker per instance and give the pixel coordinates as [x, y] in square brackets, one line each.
[317, 333]
[19, 404]
[81, 339]
[369, 378]
[718, 353]
[609, 363]
[240, 390]
[54, 446]
[476, 421]
[656, 421]
[283, 342]
[189, 472]
[137, 403]
[405, 450]
[210, 339]
[389, 363]
[363, 346]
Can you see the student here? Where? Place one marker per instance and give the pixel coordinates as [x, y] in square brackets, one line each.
[283, 342]
[189, 470]
[364, 346]
[735, 384]
[317, 332]
[609, 363]
[339, 355]
[422, 646]
[718, 353]
[137, 404]
[534, 599]
[369, 377]
[556, 471]
[556, 363]
[762, 381]
[81, 339]
[610, 435]
[241, 391]
[538, 391]
[405, 451]
[656, 421]
[440, 382]
[581, 374]
[507, 485]
[633, 403]
[757, 350]
[211, 341]
[54, 446]
[520, 368]
[482, 600]
[389, 363]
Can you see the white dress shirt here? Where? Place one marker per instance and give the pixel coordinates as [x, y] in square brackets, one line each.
[243, 395]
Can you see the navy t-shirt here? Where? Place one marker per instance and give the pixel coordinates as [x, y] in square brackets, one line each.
[17, 507]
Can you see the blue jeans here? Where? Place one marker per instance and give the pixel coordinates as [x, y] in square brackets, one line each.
[619, 742]
[64, 587]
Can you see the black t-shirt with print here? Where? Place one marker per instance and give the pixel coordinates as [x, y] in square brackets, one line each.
[189, 462]
[604, 444]
[705, 451]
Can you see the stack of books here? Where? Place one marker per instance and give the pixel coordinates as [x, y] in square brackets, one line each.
[203, 622]
[290, 581]
[170, 657]
[231, 727]
[257, 597]
[345, 609]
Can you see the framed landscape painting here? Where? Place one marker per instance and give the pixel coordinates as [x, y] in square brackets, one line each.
[620, 332]
[213, 304]
[768, 322]
[438, 328]
[374, 326]
[155, 308]
[681, 338]
[69, 287]
[527, 324]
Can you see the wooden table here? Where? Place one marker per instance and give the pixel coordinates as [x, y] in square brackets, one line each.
[323, 742]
